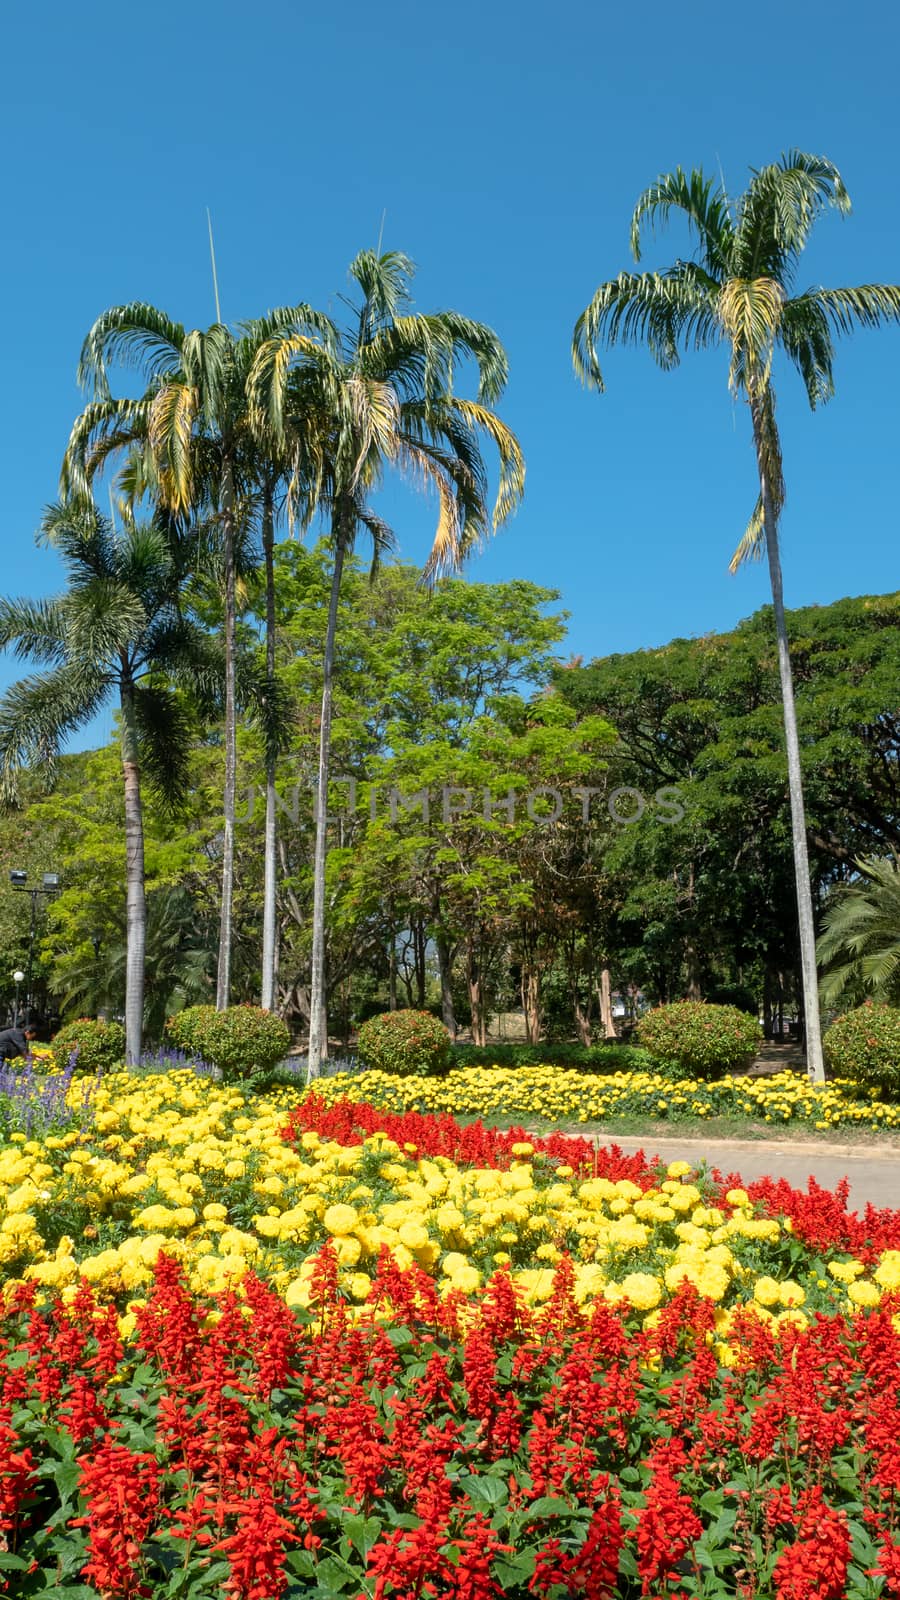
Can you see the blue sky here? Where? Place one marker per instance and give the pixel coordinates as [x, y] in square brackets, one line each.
[506, 145]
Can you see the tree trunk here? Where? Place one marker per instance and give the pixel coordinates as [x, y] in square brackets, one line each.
[420, 943]
[392, 969]
[223, 975]
[814, 1062]
[445, 968]
[606, 1010]
[582, 1020]
[318, 1022]
[530, 990]
[136, 910]
[271, 838]
[476, 996]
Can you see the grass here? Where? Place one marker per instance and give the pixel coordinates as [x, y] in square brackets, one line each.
[710, 1129]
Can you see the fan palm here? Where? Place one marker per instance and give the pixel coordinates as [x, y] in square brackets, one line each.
[116, 631]
[859, 949]
[374, 394]
[739, 290]
[197, 455]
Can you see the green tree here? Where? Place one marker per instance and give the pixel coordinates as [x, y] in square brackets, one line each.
[859, 949]
[375, 394]
[739, 290]
[117, 630]
[196, 455]
[707, 897]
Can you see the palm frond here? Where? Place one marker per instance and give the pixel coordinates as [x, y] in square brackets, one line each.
[165, 741]
[664, 310]
[749, 310]
[134, 335]
[805, 338]
[39, 712]
[511, 486]
[869, 305]
[33, 629]
[170, 429]
[102, 428]
[777, 211]
[702, 202]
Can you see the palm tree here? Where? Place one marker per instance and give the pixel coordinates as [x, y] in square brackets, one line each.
[859, 949]
[378, 393]
[198, 454]
[739, 289]
[117, 630]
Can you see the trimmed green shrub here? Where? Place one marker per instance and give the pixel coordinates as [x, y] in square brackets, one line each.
[405, 1042]
[599, 1058]
[864, 1046]
[242, 1041]
[702, 1040]
[100, 1045]
[184, 1028]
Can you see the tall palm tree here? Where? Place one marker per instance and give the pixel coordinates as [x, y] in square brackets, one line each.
[116, 631]
[199, 455]
[374, 394]
[739, 290]
[859, 949]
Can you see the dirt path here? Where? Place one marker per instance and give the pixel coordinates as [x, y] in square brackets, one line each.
[873, 1173]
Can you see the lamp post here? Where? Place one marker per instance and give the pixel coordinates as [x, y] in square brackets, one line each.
[50, 885]
[17, 979]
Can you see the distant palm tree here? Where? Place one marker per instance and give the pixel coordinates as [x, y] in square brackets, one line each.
[859, 949]
[375, 394]
[179, 967]
[198, 455]
[739, 290]
[116, 631]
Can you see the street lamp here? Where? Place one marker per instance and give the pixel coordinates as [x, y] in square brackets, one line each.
[50, 885]
[17, 979]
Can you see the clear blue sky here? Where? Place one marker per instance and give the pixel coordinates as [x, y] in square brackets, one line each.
[507, 144]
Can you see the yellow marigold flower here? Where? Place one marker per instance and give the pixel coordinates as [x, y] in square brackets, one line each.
[738, 1197]
[887, 1273]
[340, 1220]
[845, 1271]
[791, 1293]
[766, 1292]
[864, 1293]
[642, 1290]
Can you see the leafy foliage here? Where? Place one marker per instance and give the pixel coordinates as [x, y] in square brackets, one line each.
[703, 1040]
[241, 1041]
[100, 1045]
[860, 943]
[864, 1047]
[405, 1043]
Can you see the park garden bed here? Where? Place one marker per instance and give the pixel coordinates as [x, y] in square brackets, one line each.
[254, 1347]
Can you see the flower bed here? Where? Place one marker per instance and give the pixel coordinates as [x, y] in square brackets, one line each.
[440, 1448]
[253, 1349]
[560, 1095]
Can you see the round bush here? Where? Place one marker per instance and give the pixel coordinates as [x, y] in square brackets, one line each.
[700, 1040]
[242, 1041]
[405, 1042]
[864, 1046]
[100, 1045]
[183, 1029]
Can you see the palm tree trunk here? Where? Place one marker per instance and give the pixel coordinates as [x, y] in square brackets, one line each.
[270, 857]
[318, 1022]
[814, 1063]
[136, 910]
[223, 976]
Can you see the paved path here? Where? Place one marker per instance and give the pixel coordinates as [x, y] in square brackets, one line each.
[874, 1173]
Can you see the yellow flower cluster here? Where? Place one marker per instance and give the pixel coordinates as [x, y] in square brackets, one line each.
[193, 1167]
[561, 1095]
